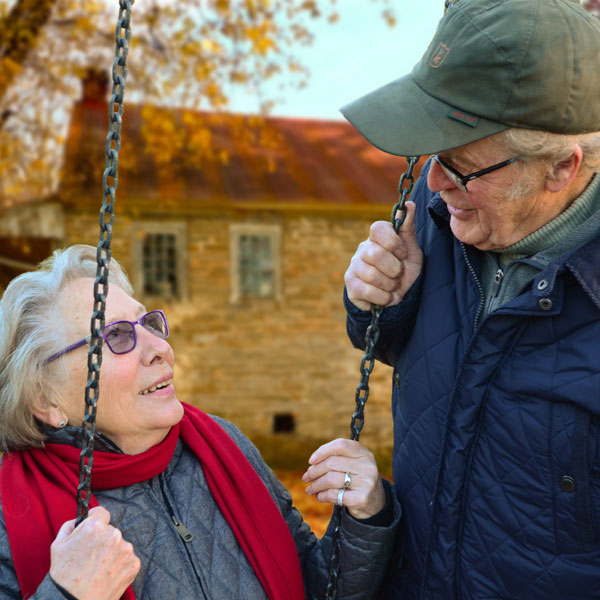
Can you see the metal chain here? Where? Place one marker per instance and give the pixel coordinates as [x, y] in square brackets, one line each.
[358, 420]
[404, 191]
[103, 255]
[366, 367]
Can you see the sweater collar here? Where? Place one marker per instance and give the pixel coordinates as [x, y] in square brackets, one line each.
[582, 261]
[578, 224]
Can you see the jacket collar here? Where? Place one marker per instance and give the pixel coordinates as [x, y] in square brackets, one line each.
[438, 211]
[71, 436]
[582, 261]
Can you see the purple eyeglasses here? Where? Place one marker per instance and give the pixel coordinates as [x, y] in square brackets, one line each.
[120, 336]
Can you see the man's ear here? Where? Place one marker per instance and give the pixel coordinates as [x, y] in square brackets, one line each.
[565, 171]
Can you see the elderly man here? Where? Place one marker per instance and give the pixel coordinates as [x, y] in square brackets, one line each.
[492, 296]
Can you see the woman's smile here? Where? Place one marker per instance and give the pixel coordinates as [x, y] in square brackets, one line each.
[161, 388]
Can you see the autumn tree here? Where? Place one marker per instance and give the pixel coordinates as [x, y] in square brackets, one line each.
[190, 53]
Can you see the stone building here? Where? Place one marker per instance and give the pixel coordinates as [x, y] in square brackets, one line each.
[241, 229]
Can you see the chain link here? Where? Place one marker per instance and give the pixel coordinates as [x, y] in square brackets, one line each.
[103, 255]
[356, 424]
[404, 191]
[366, 367]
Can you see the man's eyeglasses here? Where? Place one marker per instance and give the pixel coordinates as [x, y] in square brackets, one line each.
[461, 180]
[120, 336]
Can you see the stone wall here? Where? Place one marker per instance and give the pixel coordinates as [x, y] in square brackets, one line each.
[255, 359]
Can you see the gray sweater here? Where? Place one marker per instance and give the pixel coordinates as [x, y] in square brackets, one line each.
[213, 566]
[507, 272]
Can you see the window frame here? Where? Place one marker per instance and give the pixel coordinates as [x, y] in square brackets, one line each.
[236, 231]
[178, 229]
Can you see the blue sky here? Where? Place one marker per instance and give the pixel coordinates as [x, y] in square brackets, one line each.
[353, 56]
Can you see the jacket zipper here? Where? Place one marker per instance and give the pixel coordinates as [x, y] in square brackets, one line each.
[479, 287]
[496, 289]
[498, 280]
[184, 533]
[475, 327]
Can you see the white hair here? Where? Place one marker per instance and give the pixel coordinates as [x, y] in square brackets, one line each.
[544, 150]
[30, 332]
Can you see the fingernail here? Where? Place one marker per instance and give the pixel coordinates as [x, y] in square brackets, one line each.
[311, 459]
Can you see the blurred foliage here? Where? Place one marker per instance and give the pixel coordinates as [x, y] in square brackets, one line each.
[189, 54]
[316, 514]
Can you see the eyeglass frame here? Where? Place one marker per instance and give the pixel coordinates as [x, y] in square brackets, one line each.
[87, 339]
[461, 180]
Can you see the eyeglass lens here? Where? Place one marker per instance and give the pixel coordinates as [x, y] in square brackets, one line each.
[456, 180]
[121, 338]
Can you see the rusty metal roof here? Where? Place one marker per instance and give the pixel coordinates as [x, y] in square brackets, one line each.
[178, 159]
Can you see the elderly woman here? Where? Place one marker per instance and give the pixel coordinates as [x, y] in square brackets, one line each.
[182, 504]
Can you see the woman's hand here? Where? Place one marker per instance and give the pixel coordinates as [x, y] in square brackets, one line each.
[365, 496]
[386, 265]
[93, 561]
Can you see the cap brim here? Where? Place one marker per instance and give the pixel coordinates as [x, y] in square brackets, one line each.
[400, 118]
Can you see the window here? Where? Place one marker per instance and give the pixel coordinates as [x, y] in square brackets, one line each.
[159, 259]
[256, 266]
[255, 258]
[160, 265]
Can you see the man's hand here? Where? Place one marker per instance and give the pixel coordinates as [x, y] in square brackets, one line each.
[386, 265]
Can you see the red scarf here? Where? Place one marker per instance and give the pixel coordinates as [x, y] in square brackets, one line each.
[39, 491]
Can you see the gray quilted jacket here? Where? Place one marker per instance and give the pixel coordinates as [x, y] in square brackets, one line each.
[212, 566]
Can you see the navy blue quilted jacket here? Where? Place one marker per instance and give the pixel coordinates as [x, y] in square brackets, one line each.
[496, 426]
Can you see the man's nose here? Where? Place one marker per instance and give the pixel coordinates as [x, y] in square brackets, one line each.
[437, 180]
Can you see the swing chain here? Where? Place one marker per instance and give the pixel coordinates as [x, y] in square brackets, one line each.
[372, 335]
[103, 255]
[366, 367]
[404, 191]
[358, 420]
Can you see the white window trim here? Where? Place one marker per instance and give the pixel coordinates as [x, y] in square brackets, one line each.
[176, 228]
[236, 231]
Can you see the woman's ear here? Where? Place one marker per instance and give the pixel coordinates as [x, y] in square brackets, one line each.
[50, 413]
[565, 171]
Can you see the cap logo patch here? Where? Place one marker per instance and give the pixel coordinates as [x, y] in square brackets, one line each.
[439, 56]
[463, 117]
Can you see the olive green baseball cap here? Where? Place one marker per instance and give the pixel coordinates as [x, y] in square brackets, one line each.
[492, 64]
